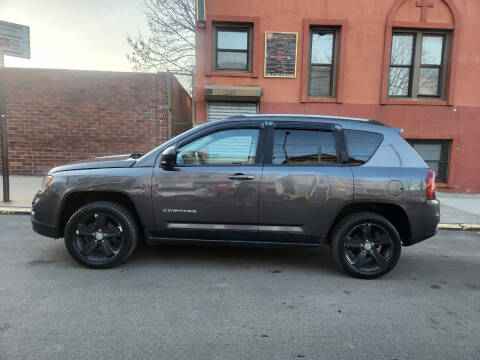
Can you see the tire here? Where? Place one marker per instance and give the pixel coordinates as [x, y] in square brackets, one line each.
[365, 245]
[101, 235]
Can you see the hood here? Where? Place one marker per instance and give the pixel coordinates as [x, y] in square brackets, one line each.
[104, 162]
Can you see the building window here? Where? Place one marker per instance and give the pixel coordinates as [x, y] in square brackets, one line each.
[232, 47]
[417, 64]
[322, 62]
[436, 153]
[300, 147]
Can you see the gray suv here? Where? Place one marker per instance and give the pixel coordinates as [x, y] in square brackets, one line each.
[263, 180]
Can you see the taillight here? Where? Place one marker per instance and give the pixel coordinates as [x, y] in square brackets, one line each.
[430, 183]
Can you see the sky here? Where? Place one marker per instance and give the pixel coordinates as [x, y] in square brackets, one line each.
[76, 34]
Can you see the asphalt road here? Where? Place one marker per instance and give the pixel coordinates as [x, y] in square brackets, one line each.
[236, 303]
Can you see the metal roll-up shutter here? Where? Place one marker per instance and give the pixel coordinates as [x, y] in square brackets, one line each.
[222, 110]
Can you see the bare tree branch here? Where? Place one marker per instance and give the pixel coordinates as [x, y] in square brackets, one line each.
[171, 43]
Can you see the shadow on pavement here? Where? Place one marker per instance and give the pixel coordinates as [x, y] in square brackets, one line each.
[437, 261]
[234, 257]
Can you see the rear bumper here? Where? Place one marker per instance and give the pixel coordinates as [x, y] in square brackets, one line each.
[424, 220]
[416, 240]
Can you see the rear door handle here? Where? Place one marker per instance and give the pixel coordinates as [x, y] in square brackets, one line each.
[240, 176]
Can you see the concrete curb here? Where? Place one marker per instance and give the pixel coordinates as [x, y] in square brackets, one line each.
[15, 210]
[18, 210]
[463, 227]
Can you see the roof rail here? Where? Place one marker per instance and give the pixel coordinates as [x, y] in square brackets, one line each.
[326, 117]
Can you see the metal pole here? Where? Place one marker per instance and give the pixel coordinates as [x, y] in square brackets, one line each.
[194, 103]
[169, 104]
[3, 119]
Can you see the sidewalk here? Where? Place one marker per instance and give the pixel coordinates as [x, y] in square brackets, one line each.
[22, 189]
[455, 209]
[459, 208]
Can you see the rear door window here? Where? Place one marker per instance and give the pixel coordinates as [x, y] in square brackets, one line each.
[300, 147]
[361, 145]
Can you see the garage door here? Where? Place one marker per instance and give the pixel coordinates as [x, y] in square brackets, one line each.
[222, 110]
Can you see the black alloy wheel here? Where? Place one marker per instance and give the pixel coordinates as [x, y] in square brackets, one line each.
[366, 245]
[98, 236]
[101, 235]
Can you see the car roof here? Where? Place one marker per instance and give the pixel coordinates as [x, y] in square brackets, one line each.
[347, 122]
[306, 117]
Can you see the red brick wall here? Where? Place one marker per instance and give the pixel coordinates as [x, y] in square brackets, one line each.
[59, 116]
[181, 107]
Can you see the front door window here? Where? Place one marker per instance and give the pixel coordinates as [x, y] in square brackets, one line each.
[228, 147]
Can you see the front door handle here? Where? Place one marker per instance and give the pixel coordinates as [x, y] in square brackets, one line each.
[239, 176]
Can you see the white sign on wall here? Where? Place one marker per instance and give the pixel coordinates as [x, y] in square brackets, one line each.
[15, 39]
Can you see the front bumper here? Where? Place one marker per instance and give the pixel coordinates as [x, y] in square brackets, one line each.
[43, 215]
[44, 229]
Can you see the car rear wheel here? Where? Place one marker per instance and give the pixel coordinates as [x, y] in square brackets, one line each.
[101, 235]
[366, 245]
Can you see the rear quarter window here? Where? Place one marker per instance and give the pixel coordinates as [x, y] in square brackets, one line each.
[361, 145]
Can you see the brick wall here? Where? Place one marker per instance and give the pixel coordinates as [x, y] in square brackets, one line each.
[59, 116]
[180, 107]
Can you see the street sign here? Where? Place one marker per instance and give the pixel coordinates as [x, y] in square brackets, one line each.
[14, 39]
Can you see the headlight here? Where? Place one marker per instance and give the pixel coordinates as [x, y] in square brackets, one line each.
[47, 181]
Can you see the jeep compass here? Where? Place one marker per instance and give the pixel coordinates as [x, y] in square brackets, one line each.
[259, 180]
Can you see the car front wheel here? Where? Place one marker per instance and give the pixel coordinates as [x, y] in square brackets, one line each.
[101, 235]
[366, 245]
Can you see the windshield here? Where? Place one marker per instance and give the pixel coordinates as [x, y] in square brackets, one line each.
[167, 143]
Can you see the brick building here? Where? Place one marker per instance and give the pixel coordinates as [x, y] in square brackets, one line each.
[60, 116]
[413, 64]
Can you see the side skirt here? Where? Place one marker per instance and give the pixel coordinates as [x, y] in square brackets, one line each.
[158, 240]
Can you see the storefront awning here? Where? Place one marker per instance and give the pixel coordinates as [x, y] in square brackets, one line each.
[233, 93]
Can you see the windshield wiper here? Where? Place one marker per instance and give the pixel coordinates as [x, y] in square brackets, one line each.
[137, 155]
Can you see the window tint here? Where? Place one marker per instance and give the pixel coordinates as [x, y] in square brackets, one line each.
[436, 154]
[328, 153]
[361, 145]
[228, 147]
[303, 147]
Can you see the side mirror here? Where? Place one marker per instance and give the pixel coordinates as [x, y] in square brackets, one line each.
[169, 157]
